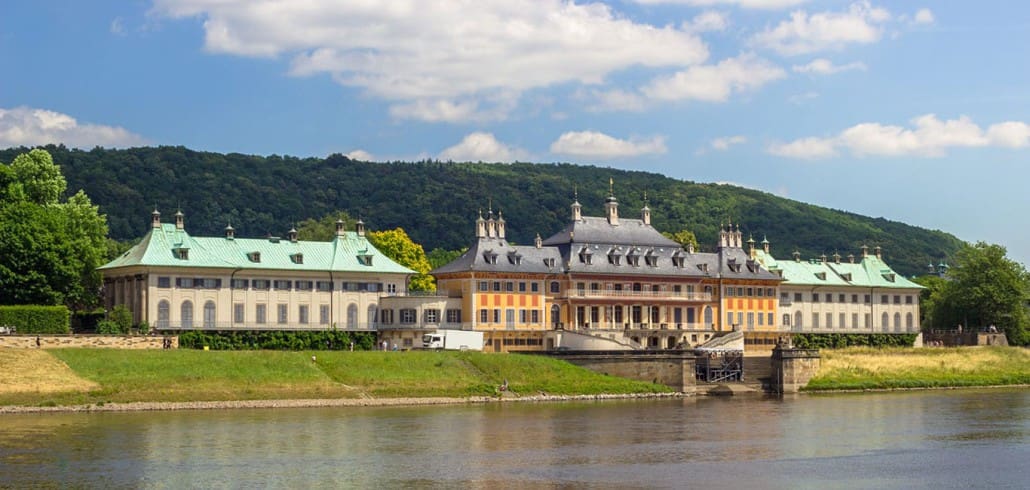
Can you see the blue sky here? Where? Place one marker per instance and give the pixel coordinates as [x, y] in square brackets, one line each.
[914, 111]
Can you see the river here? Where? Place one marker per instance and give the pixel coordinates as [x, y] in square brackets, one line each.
[920, 439]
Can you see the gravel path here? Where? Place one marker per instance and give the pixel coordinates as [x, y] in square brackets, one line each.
[330, 402]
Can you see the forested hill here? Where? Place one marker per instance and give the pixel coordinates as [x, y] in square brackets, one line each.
[437, 203]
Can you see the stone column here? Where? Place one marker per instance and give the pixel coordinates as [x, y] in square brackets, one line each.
[793, 368]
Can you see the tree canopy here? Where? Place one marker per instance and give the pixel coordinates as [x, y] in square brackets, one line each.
[398, 246]
[982, 288]
[49, 250]
[436, 202]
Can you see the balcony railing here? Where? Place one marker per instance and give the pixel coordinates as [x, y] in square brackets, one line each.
[612, 293]
[225, 326]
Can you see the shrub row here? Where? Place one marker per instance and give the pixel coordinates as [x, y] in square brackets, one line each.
[841, 340]
[33, 319]
[275, 340]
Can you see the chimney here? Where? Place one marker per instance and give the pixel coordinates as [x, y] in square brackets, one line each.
[765, 244]
[361, 227]
[491, 225]
[480, 225]
[500, 225]
[865, 251]
[822, 258]
[577, 209]
[751, 247]
[836, 257]
[645, 212]
[879, 252]
[690, 248]
[155, 219]
[230, 232]
[339, 227]
[797, 256]
[292, 234]
[851, 258]
[539, 242]
[179, 220]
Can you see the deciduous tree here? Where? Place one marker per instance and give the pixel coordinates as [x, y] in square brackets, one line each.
[398, 246]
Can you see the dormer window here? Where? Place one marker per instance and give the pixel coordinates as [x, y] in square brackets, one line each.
[490, 257]
[703, 268]
[846, 276]
[254, 256]
[820, 275]
[586, 256]
[182, 253]
[514, 258]
[297, 258]
[890, 277]
[677, 261]
[549, 262]
[651, 260]
[365, 259]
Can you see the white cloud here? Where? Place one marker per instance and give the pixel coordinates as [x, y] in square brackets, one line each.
[747, 4]
[726, 142]
[360, 155]
[929, 137]
[117, 27]
[615, 100]
[801, 98]
[804, 33]
[592, 144]
[26, 126]
[805, 148]
[923, 16]
[482, 147]
[707, 21]
[823, 66]
[715, 83]
[439, 60]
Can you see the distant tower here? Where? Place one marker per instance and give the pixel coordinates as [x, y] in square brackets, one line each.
[230, 232]
[611, 205]
[480, 225]
[292, 234]
[577, 210]
[645, 212]
[179, 220]
[155, 219]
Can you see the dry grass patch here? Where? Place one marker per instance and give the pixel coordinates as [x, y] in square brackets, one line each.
[37, 371]
[868, 368]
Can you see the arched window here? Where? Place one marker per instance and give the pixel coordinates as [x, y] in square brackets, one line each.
[555, 315]
[373, 315]
[186, 314]
[209, 314]
[555, 287]
[885, 322]
[797, 320]
[908, 322]
[352, 316]
[162, 314]
[708, 312]
[897, 322]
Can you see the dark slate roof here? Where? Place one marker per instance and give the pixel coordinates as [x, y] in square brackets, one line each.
[735, 263]
[497, 255]
[597, 230]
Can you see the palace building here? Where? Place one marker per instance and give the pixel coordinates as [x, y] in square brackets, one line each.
[173, 280]
[607, 283]
[834, 296]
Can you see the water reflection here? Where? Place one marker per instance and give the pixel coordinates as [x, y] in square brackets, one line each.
[897, 440]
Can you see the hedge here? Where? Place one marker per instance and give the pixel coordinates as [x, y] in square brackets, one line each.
[33, 319]
[841, 340]
[277, 340]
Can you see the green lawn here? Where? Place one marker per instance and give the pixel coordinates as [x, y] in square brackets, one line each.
[193, 375]
[887, 368]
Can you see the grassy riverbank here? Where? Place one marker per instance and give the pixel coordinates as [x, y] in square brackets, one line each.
[863, 368]
[93, 376]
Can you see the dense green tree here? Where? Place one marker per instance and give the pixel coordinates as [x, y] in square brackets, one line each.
[984, 288]
[324, 228]
[685, 238]
[438, 257]
[398, 246]
[437, 202]
[49, 250]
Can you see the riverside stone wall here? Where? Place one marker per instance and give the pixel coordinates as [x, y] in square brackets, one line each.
[672, 369]
[95, 341]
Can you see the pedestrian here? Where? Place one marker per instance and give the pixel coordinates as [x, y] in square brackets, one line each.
[385, 345]
[960, 329]
[352, 346]
[38, 344]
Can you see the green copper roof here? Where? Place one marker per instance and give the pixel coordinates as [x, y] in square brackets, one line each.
[870, 272]
[165, 246]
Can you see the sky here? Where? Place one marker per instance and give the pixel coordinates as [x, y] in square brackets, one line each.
[916, 111]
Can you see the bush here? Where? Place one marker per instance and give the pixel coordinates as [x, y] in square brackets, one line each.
[33, 319]
[122, 316]
[840, 341]
[108, 327]
[274, 340]
[143, 328]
